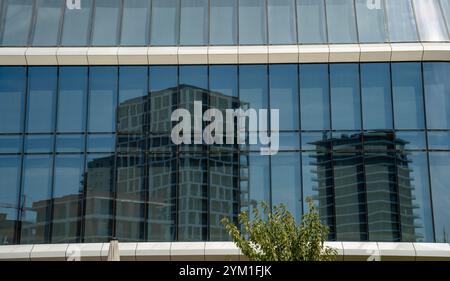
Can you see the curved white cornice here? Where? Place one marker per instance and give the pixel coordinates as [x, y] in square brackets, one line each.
[226, 54]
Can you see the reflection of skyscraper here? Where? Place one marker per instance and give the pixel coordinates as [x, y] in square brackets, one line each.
[161, 190]
[364, 187]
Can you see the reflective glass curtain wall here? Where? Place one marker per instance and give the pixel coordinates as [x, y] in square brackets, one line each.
[221, 22]
[100, 162]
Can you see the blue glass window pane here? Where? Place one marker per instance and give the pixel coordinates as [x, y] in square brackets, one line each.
[17, 16]
[311, 21]
[445, 5]
[38, 143]
[345, 97]
[133, 102]
[106, 20]
[410, 140]
[10, 144]
[437, 95]
[42, 86]
[9, 197]
[376, 96]
[371, 21]
[341, 21]
[314, 97]
[70, 143]
[36, 199]
[316, 140]
[68, 185]
[130, 203]
[194, 76]
[258, 169]
[415, 203]
[73, 84]
[401, 22]
[282, 22]
[193, 190]
[289, 141]
[253, 86]
[284, 94]
[101, 143]
[252, 22]
[286, 182]
[223, 79]
[317, 184]
[194, 27]
[439, 167]
[12, 96]
[77, 23]
[99, 179]
[407, 96]
[163, 97]
[430, 21]
[165, 22]
[135, 23]
[224, 14]
[102, 99]
[439, 140]
[46, 27]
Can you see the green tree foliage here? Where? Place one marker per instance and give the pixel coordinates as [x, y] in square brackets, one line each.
[277, 236]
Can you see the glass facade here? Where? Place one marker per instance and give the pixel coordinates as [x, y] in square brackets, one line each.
[221, 22]
[86, 154]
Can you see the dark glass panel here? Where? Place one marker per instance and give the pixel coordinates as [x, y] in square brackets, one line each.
[42, 87]
[410, 140]
[48, 18]
[253, 86]
[70, 143]
[68, 186]
[73, 86]
[284, 94]
[12, 98]
[224, 193]
[101, 143]
[133, 99]
[314, 97]
[286, 182]
[10, 144]
[192, 197]
[39, 143]
[130, 202]
[98, 199]
[17, 16]
[408, 96]
[36, 199]
[437, 94]
[9, 197]
[102, 99]
[162, 210]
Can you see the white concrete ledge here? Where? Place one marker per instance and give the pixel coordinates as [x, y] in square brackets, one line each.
[283, 54]
[223, 55]
[50, 252]
[314, 54]
[217, 251]
[193, 55]
[42, 56]
[340, 53]
[72, 56]
[16, 252]
[345, 53]
[103, 56]
[13, 56]
[132, 55]
[253, 54]
[153, 251]
[375, 52]
[407, 52]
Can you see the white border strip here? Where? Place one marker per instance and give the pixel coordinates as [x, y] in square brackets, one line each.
[226, 54]
[220, 251]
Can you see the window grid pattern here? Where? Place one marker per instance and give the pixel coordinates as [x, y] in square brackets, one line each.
[161, 22]
[132, 183]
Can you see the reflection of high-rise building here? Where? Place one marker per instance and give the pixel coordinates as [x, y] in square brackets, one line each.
[357, 190]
